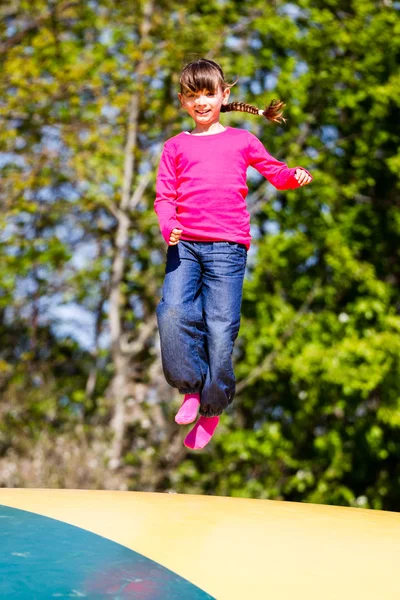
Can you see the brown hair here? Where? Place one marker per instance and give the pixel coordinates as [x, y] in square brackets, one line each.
[204, 74]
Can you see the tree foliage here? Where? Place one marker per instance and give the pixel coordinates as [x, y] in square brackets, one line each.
[88, 95]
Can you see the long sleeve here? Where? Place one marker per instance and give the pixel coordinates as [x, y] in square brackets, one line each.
[277, 173]
[166, 193]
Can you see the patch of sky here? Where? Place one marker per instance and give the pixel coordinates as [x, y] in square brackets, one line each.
[301, 68]
[52, 193]
[157, 83]
[290, 233]
[255, 43]
[291, 10]
[246, 123]
[254, 232]
[174, 16]
[84, 254]
[47, 76]
[156, 257]
[330, 137]
[309, 262]
[51, 136]
[73, 320]
[277, 413]
[9, 158]
[270, 81]
[253, 175]
[137, 306]
[110, 112]
[255, 87]
[329, 133]
[325, 209]
[339, 151]
[106, 37]
[312, 152]
[232, 42]
[46, 194]
[41, 272]
[69, 231]
[83, 135]
[108, 189]
[19, 143]
[9, 315]
[69, 191]
[8, 231]
[64, 401]
[271, 227]
[24, 288]
[11, 250]
[22, 218]
[137, 241]
[104, 340]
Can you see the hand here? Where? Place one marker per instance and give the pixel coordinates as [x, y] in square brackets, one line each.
[175, 236]
[302, 177]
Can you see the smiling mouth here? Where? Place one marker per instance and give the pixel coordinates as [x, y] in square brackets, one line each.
[202, 112]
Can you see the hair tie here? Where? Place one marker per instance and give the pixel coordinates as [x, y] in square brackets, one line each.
[260, 112]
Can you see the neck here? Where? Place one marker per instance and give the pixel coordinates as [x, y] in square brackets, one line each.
[208, 129]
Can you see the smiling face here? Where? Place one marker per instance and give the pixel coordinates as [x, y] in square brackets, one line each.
[204, 106]
[203, 92]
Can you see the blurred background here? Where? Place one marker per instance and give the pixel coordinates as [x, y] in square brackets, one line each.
[88, 95]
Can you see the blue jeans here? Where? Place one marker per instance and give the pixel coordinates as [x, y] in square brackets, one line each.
[199, 318]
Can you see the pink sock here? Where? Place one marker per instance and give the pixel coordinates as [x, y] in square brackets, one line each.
[189, 409]
[202, 432]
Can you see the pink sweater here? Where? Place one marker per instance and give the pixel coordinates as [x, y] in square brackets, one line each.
[201, 184]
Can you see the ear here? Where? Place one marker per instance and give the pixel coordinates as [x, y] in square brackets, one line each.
[225, 95]
[181, 100]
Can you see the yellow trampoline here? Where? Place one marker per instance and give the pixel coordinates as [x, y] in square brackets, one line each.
[120, 545]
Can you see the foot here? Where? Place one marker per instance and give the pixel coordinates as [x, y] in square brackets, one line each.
[189, 409]
[202, 432]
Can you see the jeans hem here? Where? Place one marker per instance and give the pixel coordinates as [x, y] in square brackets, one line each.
[209, 414]
[188, 391]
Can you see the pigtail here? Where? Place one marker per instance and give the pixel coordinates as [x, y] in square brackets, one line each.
[273, 112]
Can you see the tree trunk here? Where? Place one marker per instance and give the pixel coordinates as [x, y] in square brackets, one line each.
[120, 383]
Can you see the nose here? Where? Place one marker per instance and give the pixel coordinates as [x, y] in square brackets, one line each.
[202, 99]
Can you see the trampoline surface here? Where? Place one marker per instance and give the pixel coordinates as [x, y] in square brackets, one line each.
[103, 545]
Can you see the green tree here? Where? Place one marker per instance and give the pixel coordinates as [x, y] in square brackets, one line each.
[88, 95]
[317, 413]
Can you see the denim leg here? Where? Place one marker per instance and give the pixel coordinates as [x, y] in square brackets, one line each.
[180, 320]
[224, 268]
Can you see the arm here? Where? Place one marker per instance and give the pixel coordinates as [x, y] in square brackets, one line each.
[166, 193]
[277, 173]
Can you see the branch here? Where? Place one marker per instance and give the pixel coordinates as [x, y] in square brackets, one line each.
[140, 190]
[143, 183]
[145, 332]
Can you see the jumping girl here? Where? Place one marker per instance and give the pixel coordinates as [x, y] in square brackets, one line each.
[201, 206]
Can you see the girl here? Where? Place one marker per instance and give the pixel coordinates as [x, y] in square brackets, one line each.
[201, 206]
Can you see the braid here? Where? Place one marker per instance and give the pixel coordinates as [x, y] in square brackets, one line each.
[273, 112]
[240, 106]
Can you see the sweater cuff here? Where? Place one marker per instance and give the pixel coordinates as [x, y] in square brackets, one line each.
[294, 181]
[171, 224]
